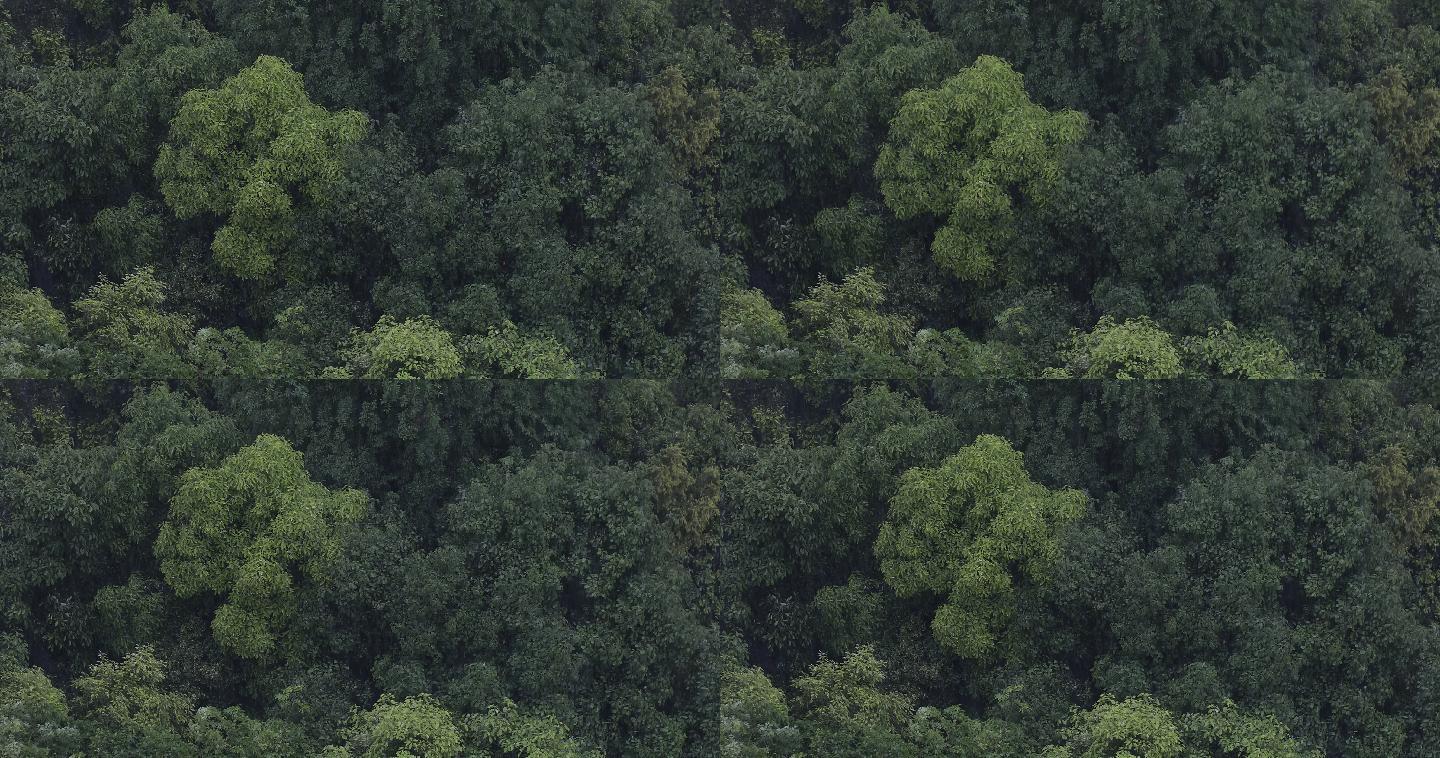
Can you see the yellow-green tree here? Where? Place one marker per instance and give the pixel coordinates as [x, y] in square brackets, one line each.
[507, 351]
[505, 730]
[1140, 727]
[415, 348]
[416, 727]
[249, 150]
[248, 530]
[124, 331]
[419, 348]
[1138, 348]
[970, 530]
[1136, 727]
[34, 336]
[964, 152]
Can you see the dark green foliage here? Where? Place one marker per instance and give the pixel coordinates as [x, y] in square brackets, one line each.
[572, 191]
[758, 379]
[640, 569]
[548, 568]
[566, 189]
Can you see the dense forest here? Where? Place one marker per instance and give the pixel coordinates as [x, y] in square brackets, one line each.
[971, 568]
[794, 190]
[790, 379]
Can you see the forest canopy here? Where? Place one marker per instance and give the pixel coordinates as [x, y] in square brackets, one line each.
[604, 184]
[654, 378]
[966, 567]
